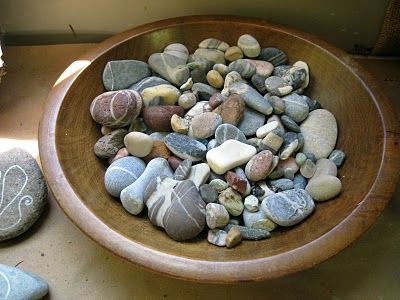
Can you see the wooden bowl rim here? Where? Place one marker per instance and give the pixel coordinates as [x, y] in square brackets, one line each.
[320, 249]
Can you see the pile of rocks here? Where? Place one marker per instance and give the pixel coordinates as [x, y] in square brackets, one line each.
[222, 138]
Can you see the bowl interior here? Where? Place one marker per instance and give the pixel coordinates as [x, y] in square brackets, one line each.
[331, 83]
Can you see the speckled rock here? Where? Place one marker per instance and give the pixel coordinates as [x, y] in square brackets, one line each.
[204, 125]
[289, 207]
[120, 74]
[16, 284]
[232, 201]
[185, 147]
[123, 173]
[179, 124]
[251, 121]
[199, 174]
[108, 145]
[303, 65]
[116, 109]
[23, 193]
[278, 86]
[296, 77]
[262, 190]
[295, 107]
[138, 144]
[243, 67]
[324, 187]
[233, 53]
[226, 132]
[158, 118]
[250, 233]
[273, 55]
[217, 237]
[163, 94]
[230, 79]
[213, 55]
[215, 79]
[233, 238]
[159, 150]
[231, 110]
[320, 133]
[148, 82]
[132, 196]
[185, 217]
[218, 184]
[249, 45]
[213, 43]
[236, 182]
[208, 193]
[216, 215]
[337, 157]
[312, 104]
[259, 165]
[251, 97]
[170, 67]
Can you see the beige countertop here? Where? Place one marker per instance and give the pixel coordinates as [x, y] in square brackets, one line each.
[77, 268]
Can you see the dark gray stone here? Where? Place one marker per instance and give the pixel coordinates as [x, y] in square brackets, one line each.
[185, 147]
[312, 104]
[295, 76]
[203, 91]
[122, 173]
[311, 156]
[183, 170]
[300, 138]
[226, 132]
[251, 121]
[199, 66]
[274, 55]
[208, 193]
[278, 86]
[259, 83]
[281, 70]
[290, 124]
[251, 97]
[249, 233]
[282, 184]
[243, 67]
[23, 193]
[148, 82]
[120, 74]
[289, 207]
[299, 182]
[277, 104]
[16, 284]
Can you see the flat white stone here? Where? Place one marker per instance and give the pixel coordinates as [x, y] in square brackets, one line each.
[265, 129]
[229, 155]
[199, 174]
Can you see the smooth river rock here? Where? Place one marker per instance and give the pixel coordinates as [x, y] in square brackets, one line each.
[185, 147]
[251, 97]
[251, 121]
[320, 133]
[324, 187]
[163, 94]
[296, 107]
[226, 132]
[108, 145]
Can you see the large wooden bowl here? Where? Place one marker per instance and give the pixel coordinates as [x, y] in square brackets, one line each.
[369, 134]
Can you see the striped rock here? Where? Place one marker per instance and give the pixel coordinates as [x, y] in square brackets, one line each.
[170, 67]
[185, 147]
[116, 109]
[243, 67]
[226, 132]
[178, 50]
[273, 55]
[186, 216]
[183, 170]
[148, 82]
[199, 174]
[213, 55]
[122, 173]
[249, 45]
[296, 107]
[212, 43]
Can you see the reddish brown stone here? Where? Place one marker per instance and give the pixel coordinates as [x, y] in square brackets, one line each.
[231, 110]
[236, 182]
[259, 165]
[158, 118]
[159, 150]
[216, 100]
[174, 162]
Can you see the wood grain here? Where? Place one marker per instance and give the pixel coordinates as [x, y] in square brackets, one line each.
[368, 132]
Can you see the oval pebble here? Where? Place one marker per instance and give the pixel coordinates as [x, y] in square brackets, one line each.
[249, 45]
[138, 144]
[208, 192]
[216, 215]
[185, 147]
[158, 118]
[273, 55]
[204, 125]
[324, 187]
[296, 107]
[187, 100]
[259, 165]
[226, 132]
[243, 67]
[108, 145]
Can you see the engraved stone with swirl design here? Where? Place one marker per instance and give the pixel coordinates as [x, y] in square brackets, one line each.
[22, 193]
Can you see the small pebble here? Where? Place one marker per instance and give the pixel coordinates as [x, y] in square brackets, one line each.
[310, 156]
[187, 100]
[243, 67]
[250, 233]
[123, 152]
[251, 121]
[233, 53]
[213, 55]
[251, 203]
[178, 50]
[203, 91]
[308, 169]
[216, 216]
[312, 104]
[303, 65]
[249, 45]
[295, 107]
[208, 192]
[272, 142]
[232, 201]
[163, 94]
[300, 138]
[183, 170]
[277, 104]
[204, 125]
[199, 174]
[138, 144]
[278, 86]
[216, 100]
[236, 182]
[108, 145]
[273, 55]
[170, 67]
[290, 124]
[185, 147]
[221, 69]
[282, 184]
[218, 184]
[259, 165]
[233, 238]
[215, 79]
[324, 187]
[226, 132]
[187, 85]
[258, 82]
[299, 182]
[217, 237]
[231, 110]
[174, 162]
[265, 129]
[263, 68]
[179, 124]
[159, 150]
[301, 158]
[251, 97]
[240, 172]
[212, 144]
[258, 220]
[338, 157]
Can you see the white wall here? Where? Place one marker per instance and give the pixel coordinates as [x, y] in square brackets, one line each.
[343, 23]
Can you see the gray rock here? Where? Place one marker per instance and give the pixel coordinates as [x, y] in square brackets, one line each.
[310, 156]
[250, 233]
[185, 147]
[300, 138]
[218, 184]
[197, 109]
[178, 50]
[16, 284]
[158, 136]
[186, 216]
[226, 132]
[208, 193]
[278, 86]
[138, 125]
[23, 193]
[199, 67]
[282, 184]
[203, 91]
[301, 158]
[325, 166]
[132, 197]
[120, 74]
[148, 82]
[259, 83]
[249, 45]
[289, 207]
[312, 104]
[243, 67]
[217, 237]
[187, 100]
[258, 220]
[212, 144]
[289, 146]
[232, 201]
[274, 55]
[212, 43]
[338, 157]
[122, 173]
[281, 70]
[251, 204]
[213, 55]
[183, 170]
[277, 104]
[290, 124]
[108, 145]
[289, 173]
[251, 121]
[299, 182]
[324, 187]
[295, 107]
[308, 168]
[251, 97]
[216, 216]
[296, 77]
[199, 174]
[169, 67]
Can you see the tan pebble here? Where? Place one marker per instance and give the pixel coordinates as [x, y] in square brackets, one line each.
[233, 53]
[215, 79]
[138, 144]
[180, 125]
[159, 150]
[123, 152]
[233, 238]
[324, 187]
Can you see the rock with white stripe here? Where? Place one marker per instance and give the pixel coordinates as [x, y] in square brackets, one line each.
[120, 74]
[186, 216]
[296, 107]
[122, 173]
[199, 174]
[116, 109]
[132, 196]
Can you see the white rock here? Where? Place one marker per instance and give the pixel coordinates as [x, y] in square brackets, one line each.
[251, 203]
[196, 110]
[229, 155]
[265, 129]
[138, 144]
[217, 237]
[199, 174]
[216, 215]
